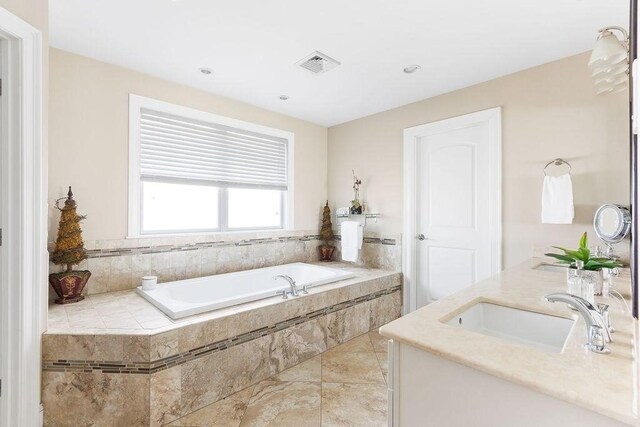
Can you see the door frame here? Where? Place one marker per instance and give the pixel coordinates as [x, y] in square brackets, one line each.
[23, 255]
[493, 117]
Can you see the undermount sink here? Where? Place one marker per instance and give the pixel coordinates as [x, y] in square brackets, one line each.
[538, 330]
[554, 268]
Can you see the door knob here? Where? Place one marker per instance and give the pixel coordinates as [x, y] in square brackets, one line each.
[421, 237]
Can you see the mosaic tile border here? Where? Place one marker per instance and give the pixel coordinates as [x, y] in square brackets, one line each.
[152, 367]
[103, 253]
[374, 240]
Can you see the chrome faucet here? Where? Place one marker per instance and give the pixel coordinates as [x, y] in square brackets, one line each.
[292, 283]
[598, 332]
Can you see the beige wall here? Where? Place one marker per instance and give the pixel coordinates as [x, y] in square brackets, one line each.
[35, 12]
[547, 112]
[89, 140]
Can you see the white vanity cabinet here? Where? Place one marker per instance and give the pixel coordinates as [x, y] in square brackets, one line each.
[428, 390]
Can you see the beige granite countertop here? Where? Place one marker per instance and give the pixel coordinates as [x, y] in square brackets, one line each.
[127, 313]
[603, 383]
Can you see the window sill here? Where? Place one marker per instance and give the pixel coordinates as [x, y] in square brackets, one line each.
[262, 231]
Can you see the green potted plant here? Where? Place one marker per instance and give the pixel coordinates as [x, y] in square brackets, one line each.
[592, 265]
[326, 234]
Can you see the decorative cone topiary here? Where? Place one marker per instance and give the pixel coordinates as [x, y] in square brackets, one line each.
[326, 234]
[69, 251]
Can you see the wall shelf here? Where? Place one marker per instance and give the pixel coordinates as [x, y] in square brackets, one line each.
[359, 217]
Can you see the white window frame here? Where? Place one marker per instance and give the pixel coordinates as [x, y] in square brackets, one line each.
[136, 104]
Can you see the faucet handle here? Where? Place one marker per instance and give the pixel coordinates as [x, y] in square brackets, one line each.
[304, 289]
[603, 309]
[596, 340]
[283, 293]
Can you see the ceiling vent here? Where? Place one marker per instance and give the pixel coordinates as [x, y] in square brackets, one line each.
[318, 63]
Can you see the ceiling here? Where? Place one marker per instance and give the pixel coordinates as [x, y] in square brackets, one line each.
[252, 46]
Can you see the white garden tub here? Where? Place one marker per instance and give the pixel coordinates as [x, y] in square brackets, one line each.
[193, 296]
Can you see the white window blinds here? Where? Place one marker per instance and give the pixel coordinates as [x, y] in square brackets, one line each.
[178, 148]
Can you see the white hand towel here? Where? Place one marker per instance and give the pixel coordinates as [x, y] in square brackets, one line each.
[351, 236]
[557, 200]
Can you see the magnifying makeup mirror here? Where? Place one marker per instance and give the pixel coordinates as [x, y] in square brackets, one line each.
[612, 223]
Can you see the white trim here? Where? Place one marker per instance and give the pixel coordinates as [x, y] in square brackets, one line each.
[289, 211]
[136, 103]
[23, 284]
[494, 117]
[134, 220]
[409, 224]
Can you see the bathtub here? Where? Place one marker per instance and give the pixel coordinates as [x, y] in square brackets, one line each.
[193, 296]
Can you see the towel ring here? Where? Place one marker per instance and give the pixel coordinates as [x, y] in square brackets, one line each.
[555, 162]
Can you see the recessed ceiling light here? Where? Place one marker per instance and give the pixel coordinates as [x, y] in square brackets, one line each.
[411, 68]
[205, 70]
[284, 97]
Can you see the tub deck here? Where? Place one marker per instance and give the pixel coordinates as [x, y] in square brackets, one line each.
[126, 312]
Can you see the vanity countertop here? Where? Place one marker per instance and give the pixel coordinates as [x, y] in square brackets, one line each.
[603, 383]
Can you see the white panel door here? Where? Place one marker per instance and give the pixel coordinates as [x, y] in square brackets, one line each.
[457, 204]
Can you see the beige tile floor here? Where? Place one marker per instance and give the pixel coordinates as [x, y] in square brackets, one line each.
[345, 386]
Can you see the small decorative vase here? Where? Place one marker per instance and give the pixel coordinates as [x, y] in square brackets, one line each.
[69, 285]
[326, 252]
[598, 280]
[596, 275]
[356, 211]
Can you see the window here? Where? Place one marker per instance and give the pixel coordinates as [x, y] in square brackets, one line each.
[195, 172]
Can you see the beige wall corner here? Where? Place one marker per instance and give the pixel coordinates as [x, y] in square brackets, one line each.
[35, 12]
[548, 111]
[89, 140]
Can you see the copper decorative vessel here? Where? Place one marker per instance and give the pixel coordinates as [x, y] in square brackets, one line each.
[69, 285]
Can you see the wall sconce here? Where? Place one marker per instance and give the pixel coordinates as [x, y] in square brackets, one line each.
[609, 62]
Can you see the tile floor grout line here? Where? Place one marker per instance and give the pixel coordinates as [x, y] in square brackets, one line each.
[246, 405]
[321, 389]
[354, 382]
[377, 358]
[381, 370]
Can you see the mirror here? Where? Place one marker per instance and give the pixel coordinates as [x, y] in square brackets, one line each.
[612, 223]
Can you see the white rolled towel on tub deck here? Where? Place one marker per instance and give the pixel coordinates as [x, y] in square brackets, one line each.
[557, 200]
[351, 236]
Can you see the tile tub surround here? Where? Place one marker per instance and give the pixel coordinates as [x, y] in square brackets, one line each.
[378, 251]
[118, 265]
[178, 367]
[600, 383]
[316, 392]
